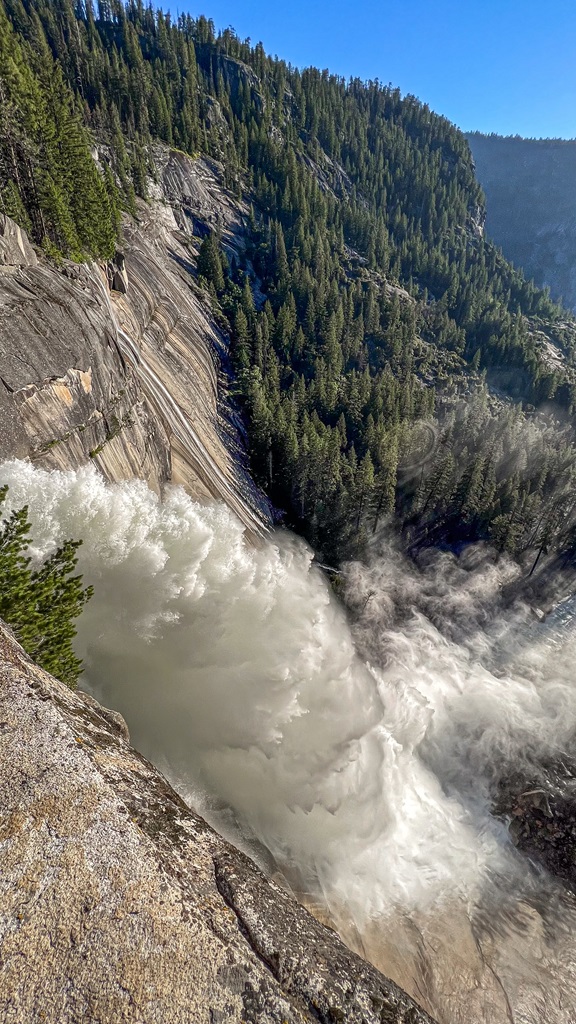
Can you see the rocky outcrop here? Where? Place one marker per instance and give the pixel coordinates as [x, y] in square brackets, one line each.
[122, 364]
[119, 903]
[199, 202]
[540, 810]
[241, 75]
[64, 394]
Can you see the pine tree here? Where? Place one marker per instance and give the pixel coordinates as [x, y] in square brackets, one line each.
[41, 604]
[210, 263]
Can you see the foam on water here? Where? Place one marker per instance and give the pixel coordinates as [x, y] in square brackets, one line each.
[240, 677]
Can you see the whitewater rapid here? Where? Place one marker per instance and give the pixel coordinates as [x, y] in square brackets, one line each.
[359, 762]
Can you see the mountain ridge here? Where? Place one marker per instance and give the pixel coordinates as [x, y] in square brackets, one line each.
[531, 205]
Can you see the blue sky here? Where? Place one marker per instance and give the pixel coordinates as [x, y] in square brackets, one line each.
[494, 65]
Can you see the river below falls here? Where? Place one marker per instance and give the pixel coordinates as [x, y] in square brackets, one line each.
[354, 758]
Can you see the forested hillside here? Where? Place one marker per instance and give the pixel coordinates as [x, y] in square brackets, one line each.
[49, 182]
[380, 343]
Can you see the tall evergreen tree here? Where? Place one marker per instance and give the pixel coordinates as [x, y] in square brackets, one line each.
[41, 604]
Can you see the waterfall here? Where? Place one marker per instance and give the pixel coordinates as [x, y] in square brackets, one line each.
[359, 757]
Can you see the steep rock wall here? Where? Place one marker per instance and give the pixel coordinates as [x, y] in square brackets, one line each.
[64, 394]
[121, 364]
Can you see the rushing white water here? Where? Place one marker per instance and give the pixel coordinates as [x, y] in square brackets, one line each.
[240, 677]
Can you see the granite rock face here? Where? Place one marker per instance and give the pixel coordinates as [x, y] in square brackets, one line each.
[124, 364]
[119, 903]
[65, 396]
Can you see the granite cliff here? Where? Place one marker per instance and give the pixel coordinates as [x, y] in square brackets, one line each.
[119, 362]
[119, 901]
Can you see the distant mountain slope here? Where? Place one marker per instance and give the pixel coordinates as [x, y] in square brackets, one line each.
[530, 187]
